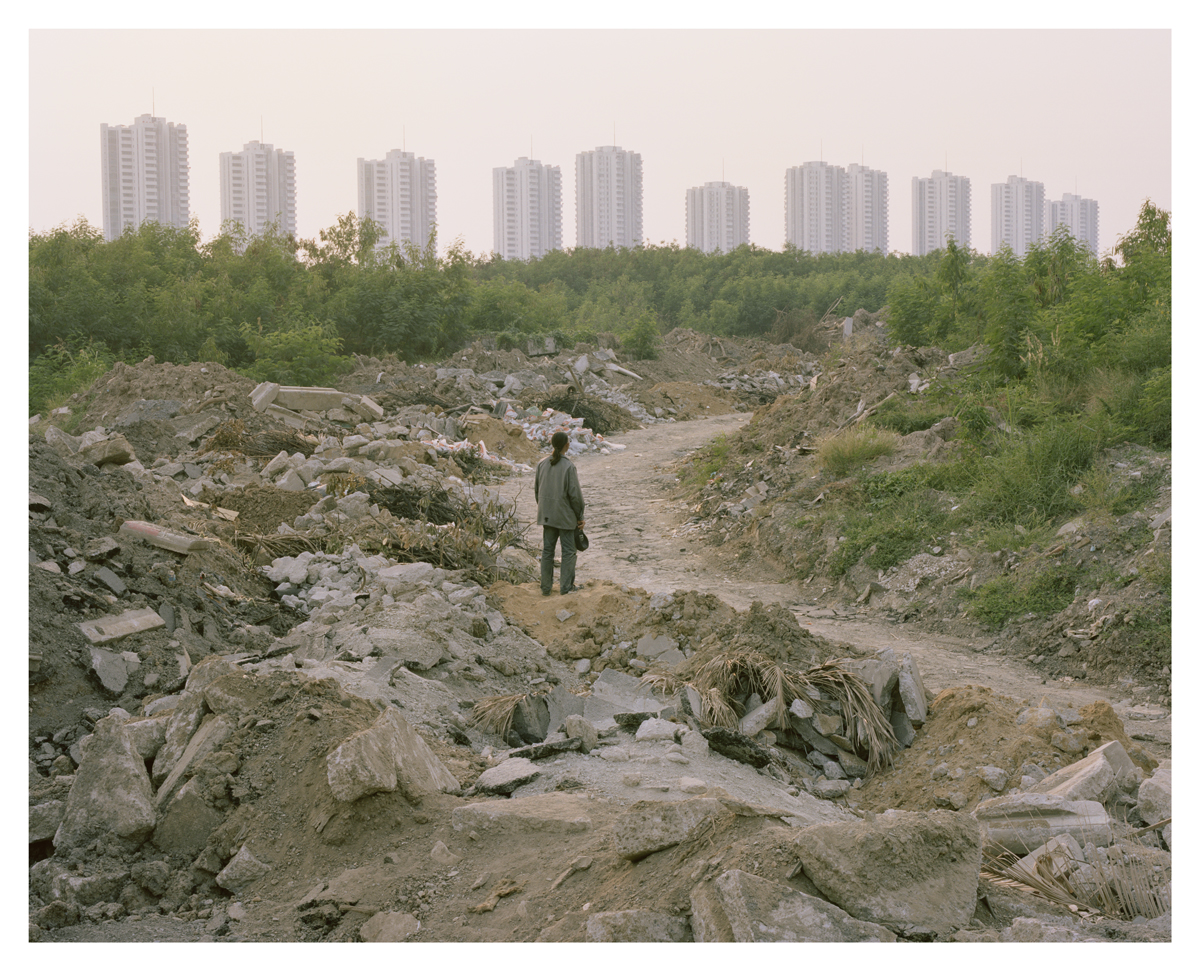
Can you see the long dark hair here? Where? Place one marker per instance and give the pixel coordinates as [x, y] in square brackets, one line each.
[560, 441]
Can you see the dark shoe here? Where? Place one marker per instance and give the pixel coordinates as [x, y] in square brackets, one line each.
[546, 593]
[569, 590]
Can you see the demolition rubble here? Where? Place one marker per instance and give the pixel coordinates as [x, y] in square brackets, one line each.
[278, 692]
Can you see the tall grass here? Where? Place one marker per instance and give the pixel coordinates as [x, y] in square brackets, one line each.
[850, 449]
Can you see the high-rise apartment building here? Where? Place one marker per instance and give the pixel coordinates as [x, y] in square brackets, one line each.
[814, 213]
[1080, 216]
[143, 174]
[399, 192]
[258, 187]
[608, 198]
[526, 210]
[1018, 214]
[941, 210]
[866, 206]
[718, 217]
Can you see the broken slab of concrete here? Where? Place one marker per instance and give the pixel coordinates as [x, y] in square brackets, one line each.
[762, 910]
[111, 795]
[187, 822]
[387, 756]
[1024, 821]
[647, 827]
[553, 812]
[241, 871]
[163, 538]
[914, 872]
[211, 735]
[912, 690]
[104, 630]
[264, 395]
[114, 450]
[1096, 777]
[510, 774]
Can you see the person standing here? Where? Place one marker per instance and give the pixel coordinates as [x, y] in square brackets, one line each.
[559, 511]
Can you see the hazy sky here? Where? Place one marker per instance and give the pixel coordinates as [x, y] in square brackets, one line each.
[1085, 111]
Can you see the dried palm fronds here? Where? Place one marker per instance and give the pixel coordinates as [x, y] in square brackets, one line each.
[229, 436]
[264, 549]
[1121, 889]
[866, 726]
[494, 713]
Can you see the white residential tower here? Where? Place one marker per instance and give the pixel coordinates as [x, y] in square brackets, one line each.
[718, 217]
[143, 174]
[866, 210]
[1018, 214]
[941, 210]
[258, 187]
[608, 198]
[399, 192]
[526, 210]
[1080, 216]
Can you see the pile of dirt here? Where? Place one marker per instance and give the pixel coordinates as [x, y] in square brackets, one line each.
[973, 728]
[500, 438]
[683, 400]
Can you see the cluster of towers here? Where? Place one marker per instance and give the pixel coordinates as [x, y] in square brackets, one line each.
[827, 208]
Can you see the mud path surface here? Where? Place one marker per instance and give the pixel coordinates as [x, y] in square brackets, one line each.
[639, 537]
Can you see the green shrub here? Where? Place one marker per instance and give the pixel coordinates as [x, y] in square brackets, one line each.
[905, 417]
[305, 355]
[642, 341]
[66, 368]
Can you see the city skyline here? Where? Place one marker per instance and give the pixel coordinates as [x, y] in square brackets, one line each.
[739, 144]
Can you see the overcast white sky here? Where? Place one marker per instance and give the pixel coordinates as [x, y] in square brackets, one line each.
[1080, 111]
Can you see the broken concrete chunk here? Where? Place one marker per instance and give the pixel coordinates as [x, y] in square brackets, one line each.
[264, 395]
[915, 872]
[648, 827]
[389, 927]
[111, 794]
[912, 690]
[113, 628]
[510, 774]
[1096, 777]
[163, 538]
[1154, 795]
[387, 756]
[1024, 821]
[241, 871]
[111, 451]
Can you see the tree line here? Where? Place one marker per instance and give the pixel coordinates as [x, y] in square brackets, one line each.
[295, 310]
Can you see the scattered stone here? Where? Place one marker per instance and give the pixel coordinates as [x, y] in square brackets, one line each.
[114, 627]
[386, 756]
[1154, 795]
[441, 854]
[656, 729]
[576, 726]
[912, 690]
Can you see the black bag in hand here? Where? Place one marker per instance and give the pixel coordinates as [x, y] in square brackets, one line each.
[581, 540]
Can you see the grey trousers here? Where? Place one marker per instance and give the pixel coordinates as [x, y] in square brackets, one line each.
[550, 536]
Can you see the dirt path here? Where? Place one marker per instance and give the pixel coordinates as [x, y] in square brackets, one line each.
[636, 539]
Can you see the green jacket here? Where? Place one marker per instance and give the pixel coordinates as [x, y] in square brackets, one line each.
[556, 489]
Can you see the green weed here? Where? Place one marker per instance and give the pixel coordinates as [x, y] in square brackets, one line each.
[996, 601]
